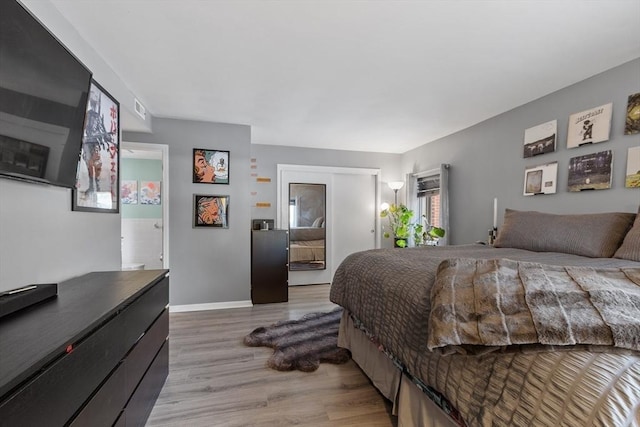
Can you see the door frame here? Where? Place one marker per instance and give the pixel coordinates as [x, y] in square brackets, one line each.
[282, 209]
[164, 189]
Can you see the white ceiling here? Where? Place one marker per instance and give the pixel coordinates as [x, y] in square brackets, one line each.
[383, 76]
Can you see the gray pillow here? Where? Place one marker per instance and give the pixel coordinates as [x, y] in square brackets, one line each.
[630, 248]
[591, 235]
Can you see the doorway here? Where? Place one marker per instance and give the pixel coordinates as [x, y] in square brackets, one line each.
[145, 206]
[351, 223]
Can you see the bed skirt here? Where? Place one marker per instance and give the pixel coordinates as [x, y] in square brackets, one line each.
[410, 404]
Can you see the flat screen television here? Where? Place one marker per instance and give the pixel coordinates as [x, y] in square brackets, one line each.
[43, 100]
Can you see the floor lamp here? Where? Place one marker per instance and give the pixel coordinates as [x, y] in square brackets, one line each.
[395, 186]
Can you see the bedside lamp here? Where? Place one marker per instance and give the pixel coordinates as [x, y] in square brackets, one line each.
[395, 186]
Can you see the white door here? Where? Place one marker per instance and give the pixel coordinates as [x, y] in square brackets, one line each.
[352, 195]
[354, 215]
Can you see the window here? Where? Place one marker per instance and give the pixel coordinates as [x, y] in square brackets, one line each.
[429, 196]
[428, 193]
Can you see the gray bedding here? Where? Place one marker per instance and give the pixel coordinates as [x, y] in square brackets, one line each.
[389, 291]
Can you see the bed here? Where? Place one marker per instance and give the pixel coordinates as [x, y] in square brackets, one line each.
[543, 328]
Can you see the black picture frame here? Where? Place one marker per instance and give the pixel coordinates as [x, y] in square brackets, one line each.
[210, 211]
[210, 166]
[98, 174]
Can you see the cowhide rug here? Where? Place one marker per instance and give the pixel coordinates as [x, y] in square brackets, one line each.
[302, 344]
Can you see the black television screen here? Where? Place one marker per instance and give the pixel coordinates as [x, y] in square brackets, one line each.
[43, 100]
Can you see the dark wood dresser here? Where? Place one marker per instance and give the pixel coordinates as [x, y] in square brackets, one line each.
[97, 355]
[269, 266]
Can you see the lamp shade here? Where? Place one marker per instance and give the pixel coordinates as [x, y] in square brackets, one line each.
[396, 185]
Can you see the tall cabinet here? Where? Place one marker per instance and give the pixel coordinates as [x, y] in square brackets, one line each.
[269, 266]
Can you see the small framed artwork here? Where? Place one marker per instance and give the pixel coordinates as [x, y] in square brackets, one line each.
[210, 211]
[540, 139]
[150, 193]
[632, 124]
[591, 172]
[97, 180]
[632, 179]
[540, 179]
[210, 166]
[590, 126]
[129, 192]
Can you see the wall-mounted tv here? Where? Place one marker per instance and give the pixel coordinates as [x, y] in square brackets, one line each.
[43, 100]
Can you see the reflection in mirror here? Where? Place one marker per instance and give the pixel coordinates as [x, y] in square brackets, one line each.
[307, 231]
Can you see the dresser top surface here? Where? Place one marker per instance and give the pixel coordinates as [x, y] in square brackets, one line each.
[33, 337]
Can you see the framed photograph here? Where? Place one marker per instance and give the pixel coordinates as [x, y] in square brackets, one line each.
[210, 166]
[150, 193]
[632, 179]
[590, 126]
[210, 211]
[97, 179]
[540, 139]
[591, 172]
[129, 192]
[632, 124]
[540, 179]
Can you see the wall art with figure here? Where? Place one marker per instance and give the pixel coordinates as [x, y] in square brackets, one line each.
[97, 186]
[589, 126]
[210, 211]
[210, 166]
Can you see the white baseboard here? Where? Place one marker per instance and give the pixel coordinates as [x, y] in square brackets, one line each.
[209, 306]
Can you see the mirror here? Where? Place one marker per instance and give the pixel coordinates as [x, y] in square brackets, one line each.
[307, 226]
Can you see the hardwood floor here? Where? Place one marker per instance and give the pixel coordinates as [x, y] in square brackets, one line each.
[215, 380]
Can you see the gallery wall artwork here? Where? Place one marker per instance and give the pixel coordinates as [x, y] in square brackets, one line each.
[97, 188]
[210, 211]
[591, 171]
[632, 124]
[540, 179]
[590, 126]
[210, 166]
[129, 192]
[150, 193]
[632, 179]
[540, 139]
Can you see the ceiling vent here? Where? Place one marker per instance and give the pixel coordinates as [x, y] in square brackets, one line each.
[140, 109]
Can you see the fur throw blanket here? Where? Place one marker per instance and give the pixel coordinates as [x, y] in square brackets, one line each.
[484, 305]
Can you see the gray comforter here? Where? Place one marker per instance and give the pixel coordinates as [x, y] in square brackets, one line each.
[389, 291]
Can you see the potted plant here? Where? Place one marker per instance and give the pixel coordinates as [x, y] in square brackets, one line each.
[400, 222]
[423, 232]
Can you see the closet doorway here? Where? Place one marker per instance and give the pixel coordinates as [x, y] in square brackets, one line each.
[144, 213]
[351, 223]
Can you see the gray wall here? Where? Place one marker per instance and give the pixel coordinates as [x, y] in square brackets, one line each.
[207, 264]
[267, 157]
[486, 159]
[43, 241]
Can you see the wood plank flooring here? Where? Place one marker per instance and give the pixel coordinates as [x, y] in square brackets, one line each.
[215, 380]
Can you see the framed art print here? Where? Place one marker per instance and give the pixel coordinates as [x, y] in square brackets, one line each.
[591, 172]
[540, 139]
[210, 211]
[210, 166]
[540, 179]
[590, 126]
[129, 192]
[632, 178]
[632, 121]
[97, 183]
[150, 192]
